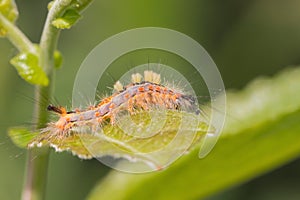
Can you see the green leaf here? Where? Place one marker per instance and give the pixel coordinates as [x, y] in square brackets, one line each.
[9, 10]
[242, 152]
[71, 143]
[27, 65]
[84, 144]
[69, 18]
[21, 136]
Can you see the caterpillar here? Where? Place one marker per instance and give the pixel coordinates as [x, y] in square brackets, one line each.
[142, 93]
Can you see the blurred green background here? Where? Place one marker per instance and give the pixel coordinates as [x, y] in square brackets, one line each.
[246, 39]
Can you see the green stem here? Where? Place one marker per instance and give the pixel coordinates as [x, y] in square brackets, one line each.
[37, 160]
[16, 36]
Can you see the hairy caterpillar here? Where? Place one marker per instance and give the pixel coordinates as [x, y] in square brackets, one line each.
[140, 94]
[144, 93]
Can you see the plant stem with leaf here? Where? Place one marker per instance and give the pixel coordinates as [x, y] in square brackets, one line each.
[37, 161]
[62, 14]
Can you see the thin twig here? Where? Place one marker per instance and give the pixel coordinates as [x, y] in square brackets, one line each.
[16, 36]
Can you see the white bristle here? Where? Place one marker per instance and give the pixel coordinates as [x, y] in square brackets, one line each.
[39, 144]
[136, 78]
[118, 86]
[148, 76]
[31, 145]
[155, 78]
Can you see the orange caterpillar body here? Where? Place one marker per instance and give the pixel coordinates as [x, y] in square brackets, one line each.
[142, 93]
